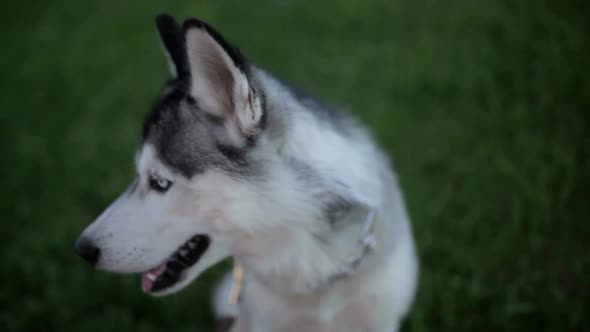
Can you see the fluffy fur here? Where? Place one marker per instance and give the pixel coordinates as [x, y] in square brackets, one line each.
[297, 193]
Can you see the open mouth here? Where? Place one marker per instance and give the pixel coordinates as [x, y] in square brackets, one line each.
[170, 272]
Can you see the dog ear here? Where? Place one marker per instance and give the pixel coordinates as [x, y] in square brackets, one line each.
[173, 40]
[219, 81]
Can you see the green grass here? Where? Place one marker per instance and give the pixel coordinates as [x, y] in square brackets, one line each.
[484, 106]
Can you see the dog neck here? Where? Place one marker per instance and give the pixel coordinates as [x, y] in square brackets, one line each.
[314, 216]
[295, 262]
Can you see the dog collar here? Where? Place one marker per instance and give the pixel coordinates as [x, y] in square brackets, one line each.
[367, 241]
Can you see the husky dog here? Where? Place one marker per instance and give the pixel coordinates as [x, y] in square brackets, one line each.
[234, 163]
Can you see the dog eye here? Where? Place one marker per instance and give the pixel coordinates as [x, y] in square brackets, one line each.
[160, 184]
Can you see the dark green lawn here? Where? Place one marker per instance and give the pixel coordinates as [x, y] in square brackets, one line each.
[484, 105]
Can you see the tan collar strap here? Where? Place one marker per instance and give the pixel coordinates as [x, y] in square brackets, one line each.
[236, 291]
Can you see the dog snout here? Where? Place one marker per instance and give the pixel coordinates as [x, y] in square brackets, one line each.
[86, 249]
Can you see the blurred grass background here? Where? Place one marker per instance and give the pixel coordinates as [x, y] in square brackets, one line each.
[483, 104]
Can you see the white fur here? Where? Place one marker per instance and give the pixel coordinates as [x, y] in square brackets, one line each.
[298, 271]
[285, 288]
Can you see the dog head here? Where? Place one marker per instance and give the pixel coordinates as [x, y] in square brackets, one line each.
[176, 219]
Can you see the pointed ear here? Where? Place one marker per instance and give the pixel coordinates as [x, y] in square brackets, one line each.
[219, 80]
[173, 40]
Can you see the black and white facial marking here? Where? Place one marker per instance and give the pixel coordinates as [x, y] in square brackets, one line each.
[164, 226]
[211, 112]
[189, 140]
[196, 142]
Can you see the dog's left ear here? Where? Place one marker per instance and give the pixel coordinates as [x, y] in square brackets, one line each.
[219, 81]
[172, 37]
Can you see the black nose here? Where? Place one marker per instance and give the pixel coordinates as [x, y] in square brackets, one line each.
[87, 250]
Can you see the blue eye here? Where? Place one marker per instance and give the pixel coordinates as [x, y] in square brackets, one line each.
[159, 184]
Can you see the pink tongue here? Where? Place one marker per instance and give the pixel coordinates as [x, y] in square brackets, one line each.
[146, 283]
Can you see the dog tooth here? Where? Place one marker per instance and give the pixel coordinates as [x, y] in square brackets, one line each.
[151, 277]
[180, 259]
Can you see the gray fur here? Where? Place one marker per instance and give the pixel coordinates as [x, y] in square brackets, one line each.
[324, 112]
[334, 205]
[189, 140]
[305, 201]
